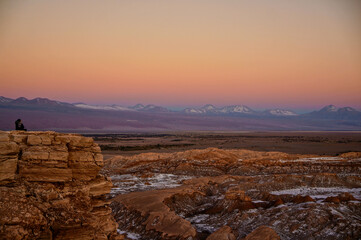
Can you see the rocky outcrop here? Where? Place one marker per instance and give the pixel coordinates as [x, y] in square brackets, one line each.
[50, 188]
[237, 194]
[149, 215]
[215, 162]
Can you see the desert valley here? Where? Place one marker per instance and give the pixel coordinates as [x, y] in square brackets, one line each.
[180, 120]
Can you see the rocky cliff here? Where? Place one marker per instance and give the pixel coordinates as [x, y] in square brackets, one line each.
[50, 188]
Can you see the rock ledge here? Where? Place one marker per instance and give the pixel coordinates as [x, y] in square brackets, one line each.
[50, 188]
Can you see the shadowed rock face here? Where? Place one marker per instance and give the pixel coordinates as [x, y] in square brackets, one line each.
[50, 188]
[237, 194]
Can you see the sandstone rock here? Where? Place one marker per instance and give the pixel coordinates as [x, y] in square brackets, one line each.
[54, 194]
[332, 200]
[59, 156]
[156, 215]
[224, 233]
[79, 233]
[84, 171]
[8, 169]
[99, 187]
[74, 141]
[263, 233]
[4, 137]
[302, 199]
[345, 197]
[44, 174]
[8, 148]
[46, 139]
[351, 155]
[278, 202]
[98, 158]
[237, 194]
[18, 137]
[81, 156]
[30, 155]
[33, 140]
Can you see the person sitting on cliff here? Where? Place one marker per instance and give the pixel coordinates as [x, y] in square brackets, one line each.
[19, 125]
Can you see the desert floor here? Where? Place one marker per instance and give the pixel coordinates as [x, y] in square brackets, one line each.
[320, 143]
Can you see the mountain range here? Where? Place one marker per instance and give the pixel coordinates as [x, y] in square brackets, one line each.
[43, 113]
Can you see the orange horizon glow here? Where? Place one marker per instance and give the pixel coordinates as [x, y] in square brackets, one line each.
[299, 54]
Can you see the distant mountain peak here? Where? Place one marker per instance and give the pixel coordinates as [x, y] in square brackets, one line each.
[236, 109]
[42, 101]
[21, 99]
[280, 112]
[5, 99]
[138, 106]
[154, 108]
[329, 108]
[346, 109]
[149, 108]
[97, 107]
[193, 111]
[209, 107]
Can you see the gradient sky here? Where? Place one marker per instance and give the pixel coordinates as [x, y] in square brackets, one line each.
[280, 53]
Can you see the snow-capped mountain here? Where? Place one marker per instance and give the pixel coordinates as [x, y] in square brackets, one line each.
[236, 109]
[210, 109]
[149, 108]
[332, 112]
[20, 100]
[280, 112]
[346, 109]
[40, 102]
[137, 107]
[5, 100]
[329, 108]
[206, 109]
[114, 107]
[153, 108]
[45, 101]
[332, 109]
[97, 107]
[329, 112]
[43, 113]
[193, 111]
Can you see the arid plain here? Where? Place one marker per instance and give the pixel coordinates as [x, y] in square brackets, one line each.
[321, 143]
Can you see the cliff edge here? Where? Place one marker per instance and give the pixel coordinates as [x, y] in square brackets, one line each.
[50, 188]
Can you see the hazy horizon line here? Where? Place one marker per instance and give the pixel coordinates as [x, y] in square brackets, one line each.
[180, 107]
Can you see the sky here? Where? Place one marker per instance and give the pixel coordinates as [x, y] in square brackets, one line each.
[300, 54]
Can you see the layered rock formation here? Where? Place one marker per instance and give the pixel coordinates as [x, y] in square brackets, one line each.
[237, 194]
[50, 188]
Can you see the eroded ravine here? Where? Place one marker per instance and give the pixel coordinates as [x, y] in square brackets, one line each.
[189, 195]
